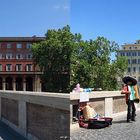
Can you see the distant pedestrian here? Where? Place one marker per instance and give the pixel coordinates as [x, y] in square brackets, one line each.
[130, 90]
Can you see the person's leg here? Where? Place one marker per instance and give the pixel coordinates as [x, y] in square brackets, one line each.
[128, 110]
[133, 111]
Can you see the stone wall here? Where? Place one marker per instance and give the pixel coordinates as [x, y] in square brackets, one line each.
[41, 119]
[37, 116]
[119, 104]
[98, 105]
[9, 110]
[105, 103]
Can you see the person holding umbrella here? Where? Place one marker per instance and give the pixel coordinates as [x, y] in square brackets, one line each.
[130, 90]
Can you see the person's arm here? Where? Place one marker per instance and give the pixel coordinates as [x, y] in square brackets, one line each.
[90, 105]
[81, 108]
[136, 92]
[125, 90]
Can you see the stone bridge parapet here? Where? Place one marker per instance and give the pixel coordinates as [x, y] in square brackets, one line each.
[106, 103]
[36, 115]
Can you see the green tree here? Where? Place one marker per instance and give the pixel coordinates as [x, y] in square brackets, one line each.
[53, 57]
[92, 66]
[66, 59]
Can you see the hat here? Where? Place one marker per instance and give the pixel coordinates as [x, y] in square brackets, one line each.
[129, 79]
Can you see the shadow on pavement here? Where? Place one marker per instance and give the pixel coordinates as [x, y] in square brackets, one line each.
[120, 121]
[6, 133]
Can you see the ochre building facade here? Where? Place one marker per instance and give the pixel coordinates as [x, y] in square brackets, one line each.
[132, 53]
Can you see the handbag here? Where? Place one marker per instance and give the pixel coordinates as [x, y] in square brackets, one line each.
[136, 100]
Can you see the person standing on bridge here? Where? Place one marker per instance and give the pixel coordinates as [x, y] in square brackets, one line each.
[131, 95]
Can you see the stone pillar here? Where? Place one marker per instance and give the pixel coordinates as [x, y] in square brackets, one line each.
[24, 84]
[22, 117]
[14, 83]
[108, 107]
[3, 84]
[37, 83]
[34, 83]
[0, 108]
[71, 113]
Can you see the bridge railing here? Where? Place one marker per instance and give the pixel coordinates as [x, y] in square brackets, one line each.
[106, 103]
[37, 116]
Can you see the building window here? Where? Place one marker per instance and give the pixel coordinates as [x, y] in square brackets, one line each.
[139, 79]
[129, 69]
[9, 56]
[134, 61]
[128, 54]
[28, 45]
[18, 56]
[122, 54]
[129, 61]
[8, 67]
[138, 53]
[134, 53]
[134, 69]
[9, 45]
[19, 46]
[139, 69]
[0, 56]
[138, 61]
[29, 56]
[18, 67]
[130, 48]
[0, 67]
[29, 67]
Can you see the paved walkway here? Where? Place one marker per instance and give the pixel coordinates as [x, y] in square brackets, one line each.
[7, 133]
[120, 130]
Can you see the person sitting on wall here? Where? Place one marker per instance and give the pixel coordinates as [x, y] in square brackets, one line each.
[130, 90]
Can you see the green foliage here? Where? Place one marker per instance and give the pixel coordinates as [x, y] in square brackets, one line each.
[91, 64]
[66, 60]
[53, 56]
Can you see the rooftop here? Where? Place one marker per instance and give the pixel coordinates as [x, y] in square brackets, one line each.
[22, 39]
[135, 43]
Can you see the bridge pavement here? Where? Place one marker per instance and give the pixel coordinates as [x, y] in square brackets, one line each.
[119, 130]
[7, 133]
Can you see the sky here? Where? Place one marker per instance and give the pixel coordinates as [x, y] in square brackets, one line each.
[117, 20]
[32, 17]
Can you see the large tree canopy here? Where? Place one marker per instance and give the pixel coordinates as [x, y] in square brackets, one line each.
[91, 64]
[53, 56]
[66, 60]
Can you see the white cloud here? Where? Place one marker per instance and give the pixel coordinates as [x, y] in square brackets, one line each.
[61, 7]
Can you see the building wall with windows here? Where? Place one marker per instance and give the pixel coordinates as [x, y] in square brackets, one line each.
[132, 52]
[17, 69]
